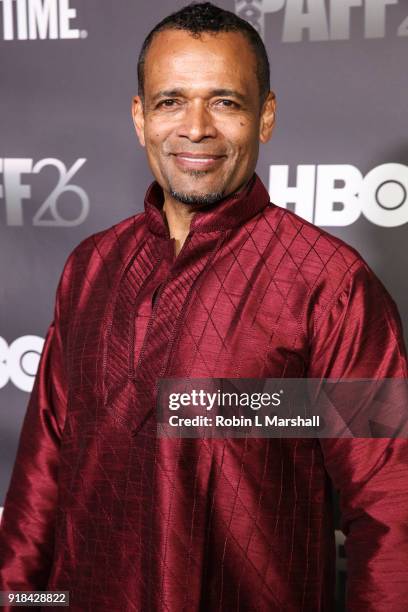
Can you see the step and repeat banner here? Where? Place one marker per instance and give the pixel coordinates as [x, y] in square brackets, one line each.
[70, 163]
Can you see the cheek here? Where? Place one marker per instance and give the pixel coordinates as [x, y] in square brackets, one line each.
[156, 132]
[152, 136]
[246, 140]
[241, 131]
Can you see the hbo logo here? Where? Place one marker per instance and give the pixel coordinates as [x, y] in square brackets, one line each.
[337, 195]
[19, 361]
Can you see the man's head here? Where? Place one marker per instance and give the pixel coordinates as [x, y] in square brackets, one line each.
[204, 103]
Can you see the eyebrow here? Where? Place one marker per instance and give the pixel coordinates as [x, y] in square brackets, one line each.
[171, 93]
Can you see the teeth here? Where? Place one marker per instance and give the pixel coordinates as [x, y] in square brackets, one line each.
[199, 160]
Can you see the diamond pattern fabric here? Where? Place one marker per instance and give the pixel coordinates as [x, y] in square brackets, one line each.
[100, 506]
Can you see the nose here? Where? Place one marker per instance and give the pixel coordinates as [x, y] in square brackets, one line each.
[197, 123]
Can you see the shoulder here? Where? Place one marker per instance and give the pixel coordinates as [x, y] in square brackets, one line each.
[118, 236]
[318, 256]
[328, 271]
[105, 251]
[338, 283]
[117, 239]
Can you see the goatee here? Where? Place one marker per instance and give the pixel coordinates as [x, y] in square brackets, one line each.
[197, 199]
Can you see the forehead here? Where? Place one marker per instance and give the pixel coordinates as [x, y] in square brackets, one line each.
[177, 58]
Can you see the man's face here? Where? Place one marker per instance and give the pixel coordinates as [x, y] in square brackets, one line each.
[201, 120]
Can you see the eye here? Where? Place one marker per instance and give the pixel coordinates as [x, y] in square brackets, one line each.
[227, 103]
[167, 103]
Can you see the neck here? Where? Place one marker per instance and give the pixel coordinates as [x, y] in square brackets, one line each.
[178, 217]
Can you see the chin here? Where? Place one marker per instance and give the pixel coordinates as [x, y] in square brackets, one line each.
[196, 198]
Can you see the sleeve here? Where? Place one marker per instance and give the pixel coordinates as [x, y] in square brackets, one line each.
[27, 526]
[360, 336]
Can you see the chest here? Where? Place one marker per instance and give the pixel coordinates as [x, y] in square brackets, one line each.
[219, 311]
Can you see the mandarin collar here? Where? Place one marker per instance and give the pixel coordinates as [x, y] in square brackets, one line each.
[231, 211]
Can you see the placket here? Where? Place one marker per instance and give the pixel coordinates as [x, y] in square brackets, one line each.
[146, 302]
[139, 351]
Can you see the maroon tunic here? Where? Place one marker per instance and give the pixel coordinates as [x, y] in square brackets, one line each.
[124, 520]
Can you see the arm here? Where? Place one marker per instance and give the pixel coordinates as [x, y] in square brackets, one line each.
[360, 336]
[27, 527]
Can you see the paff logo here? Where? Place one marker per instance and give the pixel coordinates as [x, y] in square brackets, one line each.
[39, 20]
[19, 361]
[320, 20]
[15, 190]
[337, 195]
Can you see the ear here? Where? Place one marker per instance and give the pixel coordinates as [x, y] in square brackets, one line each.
[267, 122]
[138, 118]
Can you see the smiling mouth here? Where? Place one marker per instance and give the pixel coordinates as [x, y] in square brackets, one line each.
[197, 160]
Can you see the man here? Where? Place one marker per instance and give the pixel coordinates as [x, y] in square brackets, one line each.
[212, 280]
